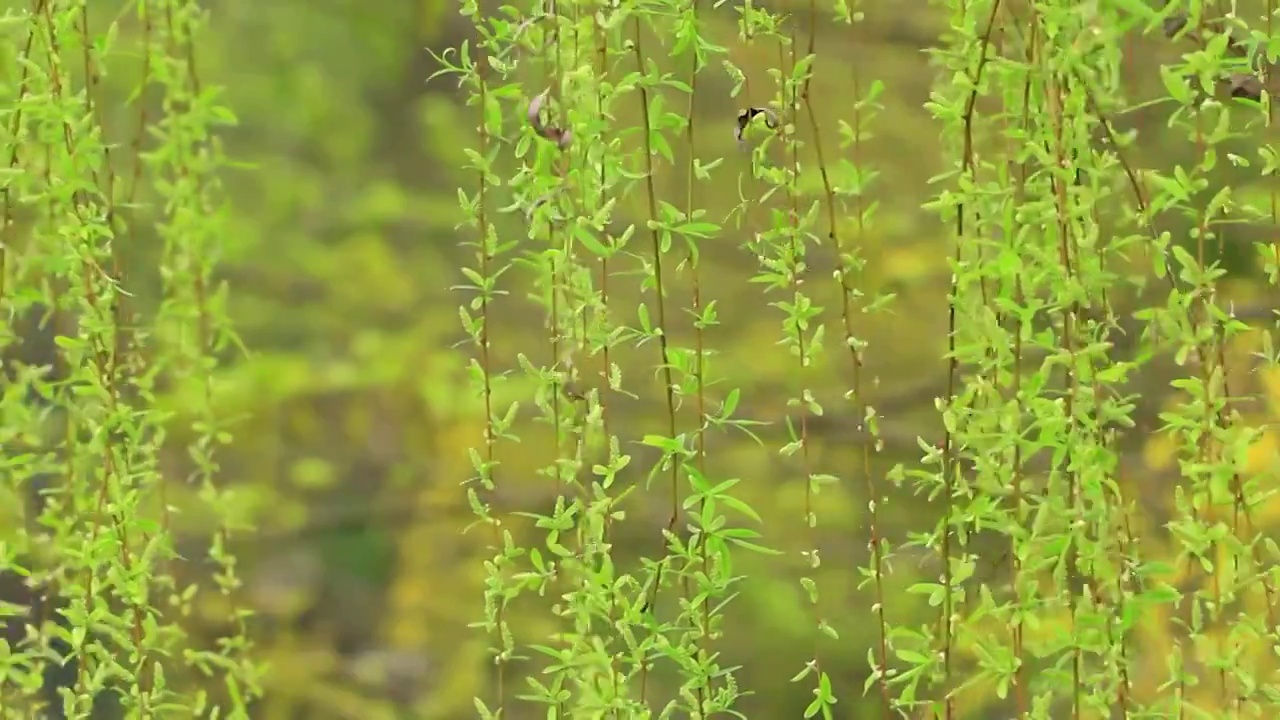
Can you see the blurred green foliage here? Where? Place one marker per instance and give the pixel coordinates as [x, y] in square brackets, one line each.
[354, 406]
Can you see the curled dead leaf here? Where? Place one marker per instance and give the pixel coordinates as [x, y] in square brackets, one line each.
[557, 135]
[747, 116]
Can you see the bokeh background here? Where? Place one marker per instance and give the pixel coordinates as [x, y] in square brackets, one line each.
[356, 407]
